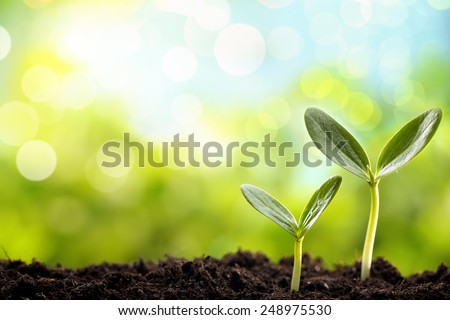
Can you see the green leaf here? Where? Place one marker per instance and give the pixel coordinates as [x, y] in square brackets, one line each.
[270, 207]
[408, 142]
[317, 204]
[336, 142]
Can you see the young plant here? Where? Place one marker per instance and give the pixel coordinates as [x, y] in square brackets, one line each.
[342, 148]
[275, 211]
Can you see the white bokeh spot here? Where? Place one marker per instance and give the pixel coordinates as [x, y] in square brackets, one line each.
[36, 160]
[5, 43]
[239, 49]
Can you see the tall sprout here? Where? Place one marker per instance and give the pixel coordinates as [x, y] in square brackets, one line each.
[341, 147]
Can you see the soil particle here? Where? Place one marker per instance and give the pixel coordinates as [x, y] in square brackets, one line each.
[242, 275]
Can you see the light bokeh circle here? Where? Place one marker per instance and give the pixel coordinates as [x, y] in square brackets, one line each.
[5, 43]
[239, 49]
[36, 160]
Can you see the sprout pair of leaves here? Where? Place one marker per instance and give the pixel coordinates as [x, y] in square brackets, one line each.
[275, 211]
[341, 147]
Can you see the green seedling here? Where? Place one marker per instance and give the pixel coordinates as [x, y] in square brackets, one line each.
[342, 148]
[275, 211]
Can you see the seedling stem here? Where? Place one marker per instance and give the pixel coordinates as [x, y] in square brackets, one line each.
[371, 230]
[296, 273]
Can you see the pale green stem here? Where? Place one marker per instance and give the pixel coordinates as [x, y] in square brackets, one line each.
[371, 230]
[297, 271]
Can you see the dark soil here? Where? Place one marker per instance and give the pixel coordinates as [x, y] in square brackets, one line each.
[243, 275]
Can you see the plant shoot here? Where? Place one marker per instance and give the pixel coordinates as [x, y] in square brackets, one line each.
[275, 211]
[348, 153]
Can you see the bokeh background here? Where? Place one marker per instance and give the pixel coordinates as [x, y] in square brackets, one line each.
[76, 74]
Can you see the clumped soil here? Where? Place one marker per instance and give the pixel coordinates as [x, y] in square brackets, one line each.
[242, 275]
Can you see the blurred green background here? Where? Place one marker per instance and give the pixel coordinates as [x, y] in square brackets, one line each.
[76, 74]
